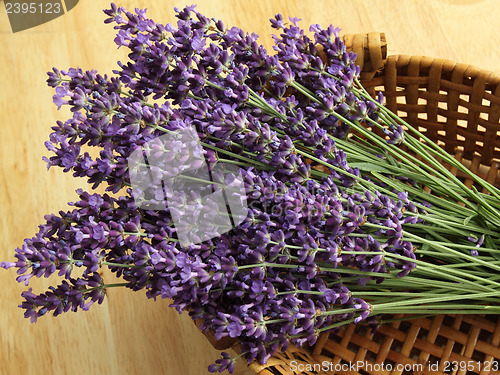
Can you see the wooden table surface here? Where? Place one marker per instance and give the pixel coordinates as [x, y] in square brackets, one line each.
[129, 334]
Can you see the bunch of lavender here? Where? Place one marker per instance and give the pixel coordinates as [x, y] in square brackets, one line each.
[337, 211]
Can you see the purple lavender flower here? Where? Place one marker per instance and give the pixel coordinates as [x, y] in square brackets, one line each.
[395, 134]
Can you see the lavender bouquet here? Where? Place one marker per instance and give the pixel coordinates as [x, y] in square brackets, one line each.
[334, 210]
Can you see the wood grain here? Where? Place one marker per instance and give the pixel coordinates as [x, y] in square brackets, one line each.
[129, 334]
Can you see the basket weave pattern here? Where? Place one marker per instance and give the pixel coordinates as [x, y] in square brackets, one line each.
[458, 106]
[443, 344]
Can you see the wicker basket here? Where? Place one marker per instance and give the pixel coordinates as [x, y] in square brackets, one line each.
[459, 106]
